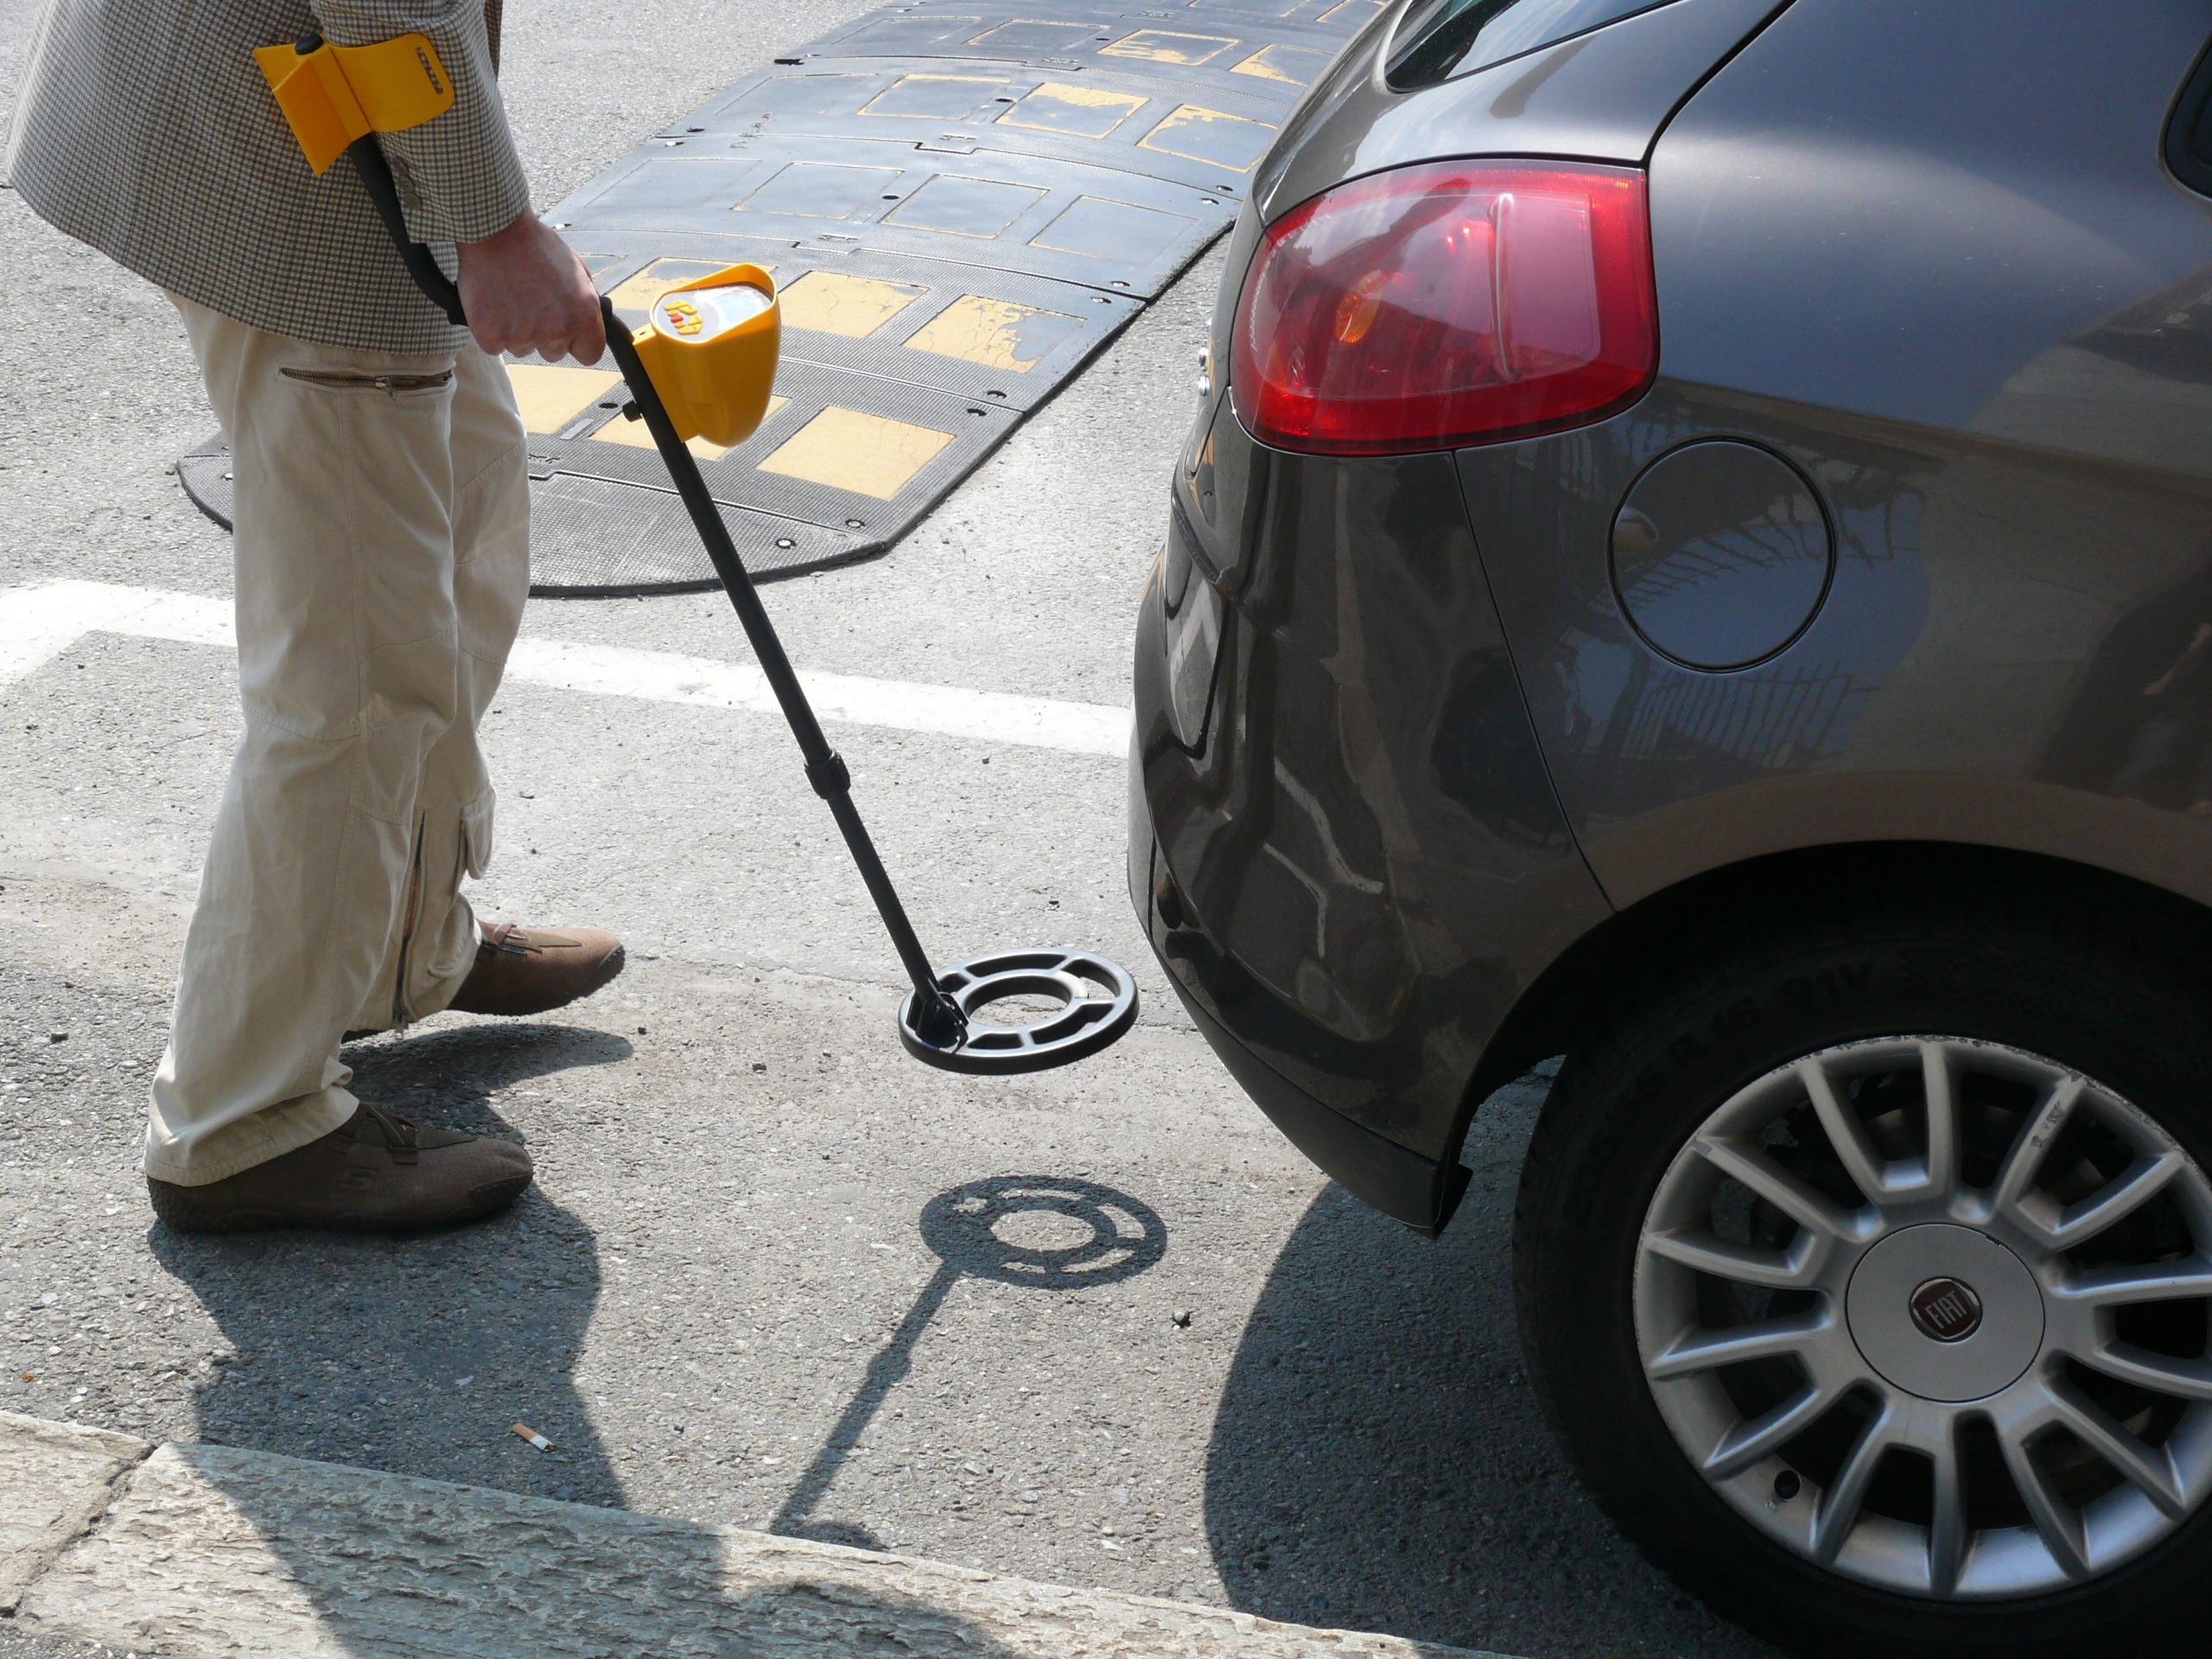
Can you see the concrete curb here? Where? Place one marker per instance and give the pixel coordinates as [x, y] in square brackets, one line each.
[56, 1480]
[207, 1550]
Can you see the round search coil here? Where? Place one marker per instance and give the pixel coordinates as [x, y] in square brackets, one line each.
[1095, 998]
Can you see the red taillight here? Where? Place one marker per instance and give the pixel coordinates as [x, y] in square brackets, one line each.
[1451, 303]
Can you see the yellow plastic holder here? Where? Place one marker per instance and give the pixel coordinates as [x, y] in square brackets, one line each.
[711, 350]
[333, 95]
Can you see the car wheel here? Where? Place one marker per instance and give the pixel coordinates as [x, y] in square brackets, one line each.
[1864, 1263]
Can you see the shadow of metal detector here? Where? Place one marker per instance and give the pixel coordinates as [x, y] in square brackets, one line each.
[703, 368]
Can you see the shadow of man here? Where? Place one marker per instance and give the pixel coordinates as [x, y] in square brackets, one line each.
[416, 1356]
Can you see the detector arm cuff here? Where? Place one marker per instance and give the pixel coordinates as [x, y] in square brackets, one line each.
[333, 95]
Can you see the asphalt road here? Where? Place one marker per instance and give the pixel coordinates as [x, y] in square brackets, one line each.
[771, 1274]
[14, 1645]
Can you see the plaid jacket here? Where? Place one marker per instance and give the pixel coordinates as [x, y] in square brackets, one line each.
[143, 128]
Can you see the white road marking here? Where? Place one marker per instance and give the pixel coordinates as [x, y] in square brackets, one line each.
[38, 624]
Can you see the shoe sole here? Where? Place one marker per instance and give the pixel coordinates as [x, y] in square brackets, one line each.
[177, 1210]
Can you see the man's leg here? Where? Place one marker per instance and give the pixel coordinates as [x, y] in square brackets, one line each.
[349, 671]
[432, 940]
[438, 952]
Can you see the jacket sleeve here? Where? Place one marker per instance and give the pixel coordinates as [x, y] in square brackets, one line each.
[459, 176]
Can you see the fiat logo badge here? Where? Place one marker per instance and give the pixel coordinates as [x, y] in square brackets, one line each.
[1947, 1310]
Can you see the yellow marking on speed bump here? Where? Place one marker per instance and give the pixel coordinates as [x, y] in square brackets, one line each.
[635, 434]
[638, 293]
[1164, 46]
[1293, 66]
[997, 333]
[550, 397]
[1084, 112]
[1214, 135]
[832, 302]
[846, 449]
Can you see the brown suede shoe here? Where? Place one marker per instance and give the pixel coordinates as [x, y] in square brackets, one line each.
[374, 1174]
[528, 970]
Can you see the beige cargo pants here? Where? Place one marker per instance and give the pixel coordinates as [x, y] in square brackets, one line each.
[382, 557]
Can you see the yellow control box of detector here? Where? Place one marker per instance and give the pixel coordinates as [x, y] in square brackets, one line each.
[711, 349]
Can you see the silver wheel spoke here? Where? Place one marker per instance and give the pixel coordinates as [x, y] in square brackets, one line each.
[2057, 1524]
[2148, 1470]
[2185, 1379]
[2159, 1281]
[1758, 1436]
[1838, 1516]
[1739, 1263]
[2111, 1204]
[1777, 1185]
[2034, 1140]
[1845, 1133]
[1699, 1350]
[1943, 1162]
[1947, 1536]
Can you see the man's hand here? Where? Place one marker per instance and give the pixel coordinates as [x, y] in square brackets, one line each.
[525, 291]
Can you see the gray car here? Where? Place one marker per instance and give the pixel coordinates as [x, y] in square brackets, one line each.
[1696, 556]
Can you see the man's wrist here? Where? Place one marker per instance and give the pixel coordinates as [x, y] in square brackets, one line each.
[513, 231]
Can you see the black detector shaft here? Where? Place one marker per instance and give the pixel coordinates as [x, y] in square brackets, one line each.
[938, 1019]
[934, 1019]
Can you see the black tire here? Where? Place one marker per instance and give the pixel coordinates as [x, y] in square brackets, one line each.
[2117, 991]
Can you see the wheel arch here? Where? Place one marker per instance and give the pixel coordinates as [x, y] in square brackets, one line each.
[1543, 1019]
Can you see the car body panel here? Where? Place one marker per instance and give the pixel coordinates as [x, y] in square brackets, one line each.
[1365, 860]
[1400, 753]
[1997, 370]
[1316, 783]
[1599, 96]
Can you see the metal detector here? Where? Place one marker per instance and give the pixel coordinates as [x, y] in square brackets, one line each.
[702, 368]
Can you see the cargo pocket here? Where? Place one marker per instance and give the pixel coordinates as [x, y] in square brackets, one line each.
[476, 832]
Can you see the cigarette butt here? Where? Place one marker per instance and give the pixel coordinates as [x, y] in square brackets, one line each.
[533, 1437]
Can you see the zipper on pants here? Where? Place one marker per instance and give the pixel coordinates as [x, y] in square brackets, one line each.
[391, 384]
[412, 918]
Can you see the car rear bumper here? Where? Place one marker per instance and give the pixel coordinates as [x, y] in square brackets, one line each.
[1343, 841]
[1420, 1191]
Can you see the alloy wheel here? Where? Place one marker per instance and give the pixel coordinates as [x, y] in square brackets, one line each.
[1936, 1314]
